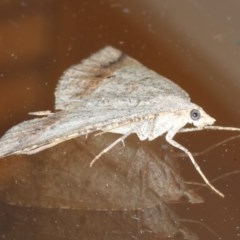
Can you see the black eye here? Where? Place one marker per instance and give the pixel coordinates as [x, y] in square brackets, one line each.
[195, 114]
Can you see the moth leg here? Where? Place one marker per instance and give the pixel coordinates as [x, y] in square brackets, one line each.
[169, 138]
[121, 139]
[41, 113]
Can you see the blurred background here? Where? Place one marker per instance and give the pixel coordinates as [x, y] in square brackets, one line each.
[194, 43]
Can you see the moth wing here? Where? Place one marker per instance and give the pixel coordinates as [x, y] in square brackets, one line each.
[107, 90]
[110, 74]
[41, 133]
[80, 80]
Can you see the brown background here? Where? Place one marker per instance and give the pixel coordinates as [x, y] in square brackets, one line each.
[194, 43]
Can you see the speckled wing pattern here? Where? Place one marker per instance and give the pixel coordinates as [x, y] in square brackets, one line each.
[112, 77]
[105, 91]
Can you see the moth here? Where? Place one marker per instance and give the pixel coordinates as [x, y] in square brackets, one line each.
[111, 92]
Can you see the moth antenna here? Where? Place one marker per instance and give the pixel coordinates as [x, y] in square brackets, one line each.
[201, 185]
[213, 146]
[221, 128]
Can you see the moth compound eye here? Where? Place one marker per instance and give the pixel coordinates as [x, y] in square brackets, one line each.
[195, 114]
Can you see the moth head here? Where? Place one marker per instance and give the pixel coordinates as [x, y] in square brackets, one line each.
[199, 118]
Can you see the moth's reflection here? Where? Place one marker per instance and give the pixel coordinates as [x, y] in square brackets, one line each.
[158, 222]
[128, 190]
